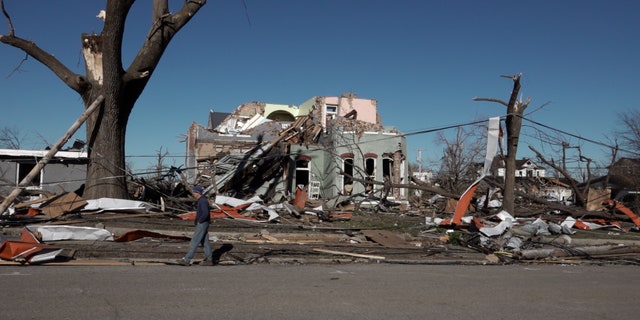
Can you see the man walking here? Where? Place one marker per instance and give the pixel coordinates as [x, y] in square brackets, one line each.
[201, 232]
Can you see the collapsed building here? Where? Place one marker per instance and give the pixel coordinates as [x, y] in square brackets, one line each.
[326, 146]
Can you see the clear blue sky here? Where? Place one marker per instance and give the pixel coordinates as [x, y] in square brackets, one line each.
[423, 61]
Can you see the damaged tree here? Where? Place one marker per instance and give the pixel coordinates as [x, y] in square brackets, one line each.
[515, 109]
[106, 76]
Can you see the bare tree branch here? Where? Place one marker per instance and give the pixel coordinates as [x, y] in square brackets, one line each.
[461, 154]
[580, 197]
[164, 28]
[539, 108]
[6, 14]
[629, 131]
[11, 138]
[71, 79]
[491, 100]
[246, 11]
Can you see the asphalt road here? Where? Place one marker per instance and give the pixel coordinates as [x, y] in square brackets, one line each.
[354, 291]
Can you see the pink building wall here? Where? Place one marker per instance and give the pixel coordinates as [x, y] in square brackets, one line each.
[367, 109]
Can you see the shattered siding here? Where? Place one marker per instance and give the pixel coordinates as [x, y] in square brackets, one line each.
[244, 112]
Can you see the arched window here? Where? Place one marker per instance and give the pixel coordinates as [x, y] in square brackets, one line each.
[370, 170]
[281, 115]
[387, 167]
[347, 169]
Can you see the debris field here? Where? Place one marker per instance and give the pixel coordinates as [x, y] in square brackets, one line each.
[68, 230]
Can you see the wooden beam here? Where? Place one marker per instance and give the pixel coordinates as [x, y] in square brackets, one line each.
[34, 172]
[349, 254]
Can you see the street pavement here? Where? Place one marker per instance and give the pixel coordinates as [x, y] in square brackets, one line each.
[320, 291]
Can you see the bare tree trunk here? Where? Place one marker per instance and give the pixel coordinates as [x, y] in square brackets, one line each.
[106, 173]
[106, 130]
[515, 109]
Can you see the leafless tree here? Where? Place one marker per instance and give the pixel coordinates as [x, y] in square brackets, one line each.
[557, 148]
[460, 158]
[565, 155]
[629, 131]
[11, 138]
[106, 76]
[569, 161]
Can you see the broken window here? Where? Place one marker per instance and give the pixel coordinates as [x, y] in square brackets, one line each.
[24, 169]
[387, 174]
[303, 170]
[387, 167]
[332, 110]
[330, 113]
[347, 181]
[370, 171]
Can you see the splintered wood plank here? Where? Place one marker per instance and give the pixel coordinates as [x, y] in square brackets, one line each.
[386, 238]
[65, 203]
[368, 256]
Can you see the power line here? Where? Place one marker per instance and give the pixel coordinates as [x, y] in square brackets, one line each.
[412, 133]
[580, 137]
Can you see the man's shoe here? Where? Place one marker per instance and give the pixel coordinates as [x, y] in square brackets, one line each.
[182, 262]
[206, 263]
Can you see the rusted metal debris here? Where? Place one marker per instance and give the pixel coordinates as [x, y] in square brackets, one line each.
[275, 234]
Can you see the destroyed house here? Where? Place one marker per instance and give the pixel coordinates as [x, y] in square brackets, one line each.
[555, 190]
[65, 171]
[524, 168]
[328, 146]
